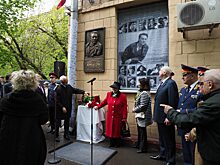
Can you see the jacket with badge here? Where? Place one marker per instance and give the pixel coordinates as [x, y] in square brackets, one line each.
[188, 103]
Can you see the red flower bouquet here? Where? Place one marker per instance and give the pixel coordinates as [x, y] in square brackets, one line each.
[94, 102]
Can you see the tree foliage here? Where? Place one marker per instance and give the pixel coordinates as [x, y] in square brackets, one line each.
[32, 42]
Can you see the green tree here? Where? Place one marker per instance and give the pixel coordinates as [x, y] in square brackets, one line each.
[33, 42]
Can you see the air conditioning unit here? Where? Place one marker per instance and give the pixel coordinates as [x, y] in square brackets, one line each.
[200, 14]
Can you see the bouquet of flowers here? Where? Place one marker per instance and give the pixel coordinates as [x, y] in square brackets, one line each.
[91, 101]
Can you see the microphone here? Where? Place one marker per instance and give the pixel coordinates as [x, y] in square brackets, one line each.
[91, 80]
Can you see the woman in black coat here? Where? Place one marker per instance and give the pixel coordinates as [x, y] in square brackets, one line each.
[22, 141]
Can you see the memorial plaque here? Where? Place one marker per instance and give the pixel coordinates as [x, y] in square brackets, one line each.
[94, 52]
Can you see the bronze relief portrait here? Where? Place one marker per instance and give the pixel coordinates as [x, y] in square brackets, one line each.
[94, 57]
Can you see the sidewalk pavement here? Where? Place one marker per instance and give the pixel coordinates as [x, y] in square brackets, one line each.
[126, 155]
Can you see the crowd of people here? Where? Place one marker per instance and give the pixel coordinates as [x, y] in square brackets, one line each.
[27, 102]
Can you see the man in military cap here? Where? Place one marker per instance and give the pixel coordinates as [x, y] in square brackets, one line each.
[51, 100]
[201, 70]
[189, 97]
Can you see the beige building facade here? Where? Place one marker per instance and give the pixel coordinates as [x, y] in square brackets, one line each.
[198, 48]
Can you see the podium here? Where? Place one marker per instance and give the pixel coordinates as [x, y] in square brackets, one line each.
[84, 124]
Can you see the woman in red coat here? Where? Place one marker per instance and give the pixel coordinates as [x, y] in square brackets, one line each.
[116, 114]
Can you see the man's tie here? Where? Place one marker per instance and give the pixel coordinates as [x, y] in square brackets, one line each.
[161, 83]
[188, 89]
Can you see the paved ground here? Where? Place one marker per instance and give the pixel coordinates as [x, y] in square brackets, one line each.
[126, 155]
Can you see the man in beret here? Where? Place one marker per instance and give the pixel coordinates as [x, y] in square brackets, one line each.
[189, 96]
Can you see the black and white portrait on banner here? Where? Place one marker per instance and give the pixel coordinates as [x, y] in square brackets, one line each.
[94, 56]
[142, 44]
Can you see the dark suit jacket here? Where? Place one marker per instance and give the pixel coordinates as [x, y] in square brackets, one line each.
[167, 93]
[41, 91]
[207, 121]
[64, 99]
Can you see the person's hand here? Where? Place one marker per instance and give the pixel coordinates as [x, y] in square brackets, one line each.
[96, 108]
[128, 61]
[124, 120]
[187, 136]
[64, 110]
[191, 136]
[178, 110]
[133, 111]
[166, 108]
[167, 122]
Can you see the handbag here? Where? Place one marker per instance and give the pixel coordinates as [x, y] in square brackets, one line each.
[125, 130]
[140, 115]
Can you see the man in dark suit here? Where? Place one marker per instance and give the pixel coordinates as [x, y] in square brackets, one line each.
[40, 89]
[167, 93]
[189, 97]
[64, 93]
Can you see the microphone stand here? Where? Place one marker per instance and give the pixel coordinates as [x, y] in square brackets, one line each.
[54, 160]
[91, 125]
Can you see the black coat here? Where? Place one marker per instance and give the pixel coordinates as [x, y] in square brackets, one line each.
[64, 96]
[22, 141]
[41, 91]
[206, 119]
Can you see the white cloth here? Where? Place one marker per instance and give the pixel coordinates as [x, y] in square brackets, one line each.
[84, 124]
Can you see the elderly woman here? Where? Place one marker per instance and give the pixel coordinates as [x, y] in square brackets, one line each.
[116, 114]
[22, 113]
[143, 113]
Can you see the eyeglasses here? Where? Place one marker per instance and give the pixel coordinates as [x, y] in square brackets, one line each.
[185, 74]
[52, 77]
[202, 83]
[201, 74]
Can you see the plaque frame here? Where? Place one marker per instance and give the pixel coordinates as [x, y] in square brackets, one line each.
[94, 63]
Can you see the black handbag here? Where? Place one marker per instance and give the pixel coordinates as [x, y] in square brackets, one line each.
[125, 130]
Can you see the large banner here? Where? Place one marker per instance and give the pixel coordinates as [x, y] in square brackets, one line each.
[142, 44]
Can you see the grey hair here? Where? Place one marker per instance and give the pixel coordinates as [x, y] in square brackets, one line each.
[167, 69]
[214, 75]
[62, 78]
[24, 80]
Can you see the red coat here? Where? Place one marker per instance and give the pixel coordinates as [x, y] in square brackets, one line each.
[117, 110]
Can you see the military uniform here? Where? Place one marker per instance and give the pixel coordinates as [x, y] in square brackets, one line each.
[189, 96]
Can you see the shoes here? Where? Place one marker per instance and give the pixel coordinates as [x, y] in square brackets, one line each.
[158, 157]
[169, 163]
[111, 145]
[67, 137]
[51, 131]
[57, 139]
[117, 145]
[135, 146]
[141, 151]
